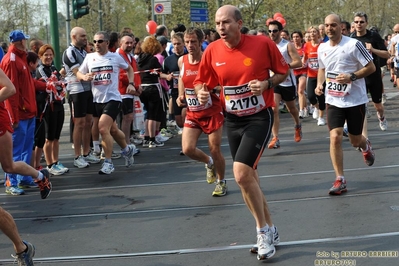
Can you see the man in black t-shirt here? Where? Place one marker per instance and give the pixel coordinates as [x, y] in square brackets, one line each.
[376, 46]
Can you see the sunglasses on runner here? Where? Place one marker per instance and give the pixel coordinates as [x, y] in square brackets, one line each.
[359, 21]
[98, 41]
[274, 31]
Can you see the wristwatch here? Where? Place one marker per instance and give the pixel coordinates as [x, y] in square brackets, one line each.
[353, 76]
[131, 83]
[270, 82]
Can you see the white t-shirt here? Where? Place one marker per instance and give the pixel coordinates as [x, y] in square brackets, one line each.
[106, 68]
[290, 80]
[346, 57]
[395, 39]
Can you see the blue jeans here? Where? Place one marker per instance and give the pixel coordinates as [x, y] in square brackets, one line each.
[23, 140]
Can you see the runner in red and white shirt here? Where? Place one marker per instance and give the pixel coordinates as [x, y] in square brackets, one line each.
[240, 64]
[207, 118]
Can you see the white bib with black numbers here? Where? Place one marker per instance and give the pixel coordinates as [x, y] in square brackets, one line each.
[192, 101]
[240, 101]
[334, 88]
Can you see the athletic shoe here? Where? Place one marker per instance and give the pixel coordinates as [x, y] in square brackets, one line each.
[179, 130]
[45, 185]
[155, 143]
[161, 138]
[345, 132]
[91, 158]
[315, 113]
[338, 187]
[369, 155]
[25, 258]
[301, 114]
[276, 241]
[321, 121]
[136, 140]
[62, 167]
[274, 143]
[384, 98]
[80, 162]
[25, 184]
[284, 110]
[266, 249]
[311, 110]
[166, 133]
[210, 174]
[394, 84]
[129, 159]
[14, 191]
[146, 143]
[106, 168]
[391, 80]
[55, 170]
[305, 112]
[171, 123]
[96, 153]
[114, 155]
[384, 124]
[298, 133]
[220, 189]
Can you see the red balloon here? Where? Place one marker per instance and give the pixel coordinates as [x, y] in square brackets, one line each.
[277, 15]
[282, 21]
[268, 21]
[151, 27]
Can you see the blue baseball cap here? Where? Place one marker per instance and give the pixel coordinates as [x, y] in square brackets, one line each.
[18, 35]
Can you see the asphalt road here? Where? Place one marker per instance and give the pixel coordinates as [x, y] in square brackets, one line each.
[160, 212]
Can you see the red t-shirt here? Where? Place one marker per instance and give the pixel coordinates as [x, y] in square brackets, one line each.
[194, 109]
[300, 70]
[253, 58]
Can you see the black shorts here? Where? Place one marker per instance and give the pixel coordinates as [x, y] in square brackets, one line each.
[354, 117]
[82, 103]
[152, 101]
[248, 136]
[288, 94]
[374, 86]
[111, 108]
[127, 106]
[311, 84]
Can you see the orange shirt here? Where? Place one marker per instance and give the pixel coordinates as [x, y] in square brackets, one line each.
[232, 69]
[194, 109]
[300, 70]
[310, 54]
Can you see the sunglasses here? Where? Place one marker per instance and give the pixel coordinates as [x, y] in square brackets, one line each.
[98, 41]
[359, 21]
[274, 31]
[396, 32]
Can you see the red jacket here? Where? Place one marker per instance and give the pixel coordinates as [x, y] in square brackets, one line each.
[22, 105]
[123, 78]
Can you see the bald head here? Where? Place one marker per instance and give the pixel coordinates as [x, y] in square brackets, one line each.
[79, 37]
[333, 27]
[230, 11]
[396, 28]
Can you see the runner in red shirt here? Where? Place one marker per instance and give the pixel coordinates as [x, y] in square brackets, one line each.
[206, 118]
[240, 64]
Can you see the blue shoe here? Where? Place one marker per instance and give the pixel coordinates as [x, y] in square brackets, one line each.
[26, 184]
[14, 191]
[25, 258]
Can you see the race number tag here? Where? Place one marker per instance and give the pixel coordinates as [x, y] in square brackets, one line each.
[240, 101]
[102, 75]
[334, 88]
[193, 103]
[313, 63]
[175, 79]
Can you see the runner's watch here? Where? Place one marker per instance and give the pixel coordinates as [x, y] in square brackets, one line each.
[353, 76]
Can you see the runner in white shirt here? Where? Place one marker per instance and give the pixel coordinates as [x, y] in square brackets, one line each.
[343, 64]
[102, 69]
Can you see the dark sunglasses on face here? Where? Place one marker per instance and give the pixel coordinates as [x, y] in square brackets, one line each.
[274, 31]
[98, 41]
[359, 21]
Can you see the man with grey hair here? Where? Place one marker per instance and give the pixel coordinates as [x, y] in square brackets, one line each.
[101, 68]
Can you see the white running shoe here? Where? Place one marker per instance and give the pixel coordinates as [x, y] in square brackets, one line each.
[80, 162]
[315, 113]
[301, 115]
[321, 121]
[55, 170]
[62, 167]
[384, 124]
[266, 248]
[305, 112]
[161, 138]
[106, 168]
[129, 159]
[91, 158]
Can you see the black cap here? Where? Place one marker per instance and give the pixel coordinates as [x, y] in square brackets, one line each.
[162, 40]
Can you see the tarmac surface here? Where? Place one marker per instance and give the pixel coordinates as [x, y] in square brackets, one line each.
[160, 212]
